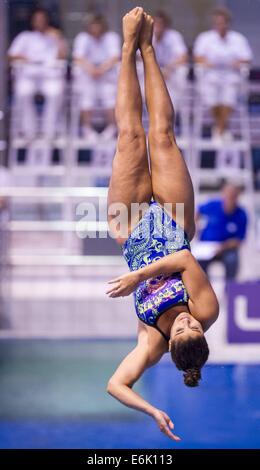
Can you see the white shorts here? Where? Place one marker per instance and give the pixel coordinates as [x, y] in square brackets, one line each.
[30, 79]
[220, 88]
[176, 83]
[49, 87]
[96, 92]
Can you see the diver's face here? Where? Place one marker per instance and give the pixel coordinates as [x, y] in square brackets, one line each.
[184, 326]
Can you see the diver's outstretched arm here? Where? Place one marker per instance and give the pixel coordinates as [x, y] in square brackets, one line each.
[121, 383]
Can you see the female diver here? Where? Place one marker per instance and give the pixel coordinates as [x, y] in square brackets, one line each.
[174, 300]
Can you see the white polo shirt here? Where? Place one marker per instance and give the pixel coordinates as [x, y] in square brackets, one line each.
[170, 47]
[35, 46]
[97, 51]
[222, 52]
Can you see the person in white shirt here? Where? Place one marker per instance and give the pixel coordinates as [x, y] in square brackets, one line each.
[222, 53]
[172, 57]
[96, 54]
[171, 53]
[34, 55]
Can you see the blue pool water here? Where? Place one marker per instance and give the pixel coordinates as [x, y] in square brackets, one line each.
[52, 395]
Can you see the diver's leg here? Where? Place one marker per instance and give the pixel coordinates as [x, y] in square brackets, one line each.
[130, 181]
[171, 182]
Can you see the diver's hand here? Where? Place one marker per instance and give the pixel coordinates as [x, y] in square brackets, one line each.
[124, 285]
[165, 424]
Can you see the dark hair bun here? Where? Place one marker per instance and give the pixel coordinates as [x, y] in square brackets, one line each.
[192, 377]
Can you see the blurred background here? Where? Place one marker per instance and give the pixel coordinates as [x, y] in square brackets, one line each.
[60, 337]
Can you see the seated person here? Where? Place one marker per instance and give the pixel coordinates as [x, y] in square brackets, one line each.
[172, 56]
[97, 52]
[37, 52]
[225, 222]
[222, 53]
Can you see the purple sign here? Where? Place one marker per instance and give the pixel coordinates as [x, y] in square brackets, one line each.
[243, 312]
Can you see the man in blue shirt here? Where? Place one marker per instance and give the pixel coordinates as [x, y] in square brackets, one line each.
[225, 222]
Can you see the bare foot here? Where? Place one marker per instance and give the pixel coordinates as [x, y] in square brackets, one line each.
[146, 33]
[132, 23]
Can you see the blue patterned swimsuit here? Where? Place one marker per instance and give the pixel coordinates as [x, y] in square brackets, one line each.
[155, 236]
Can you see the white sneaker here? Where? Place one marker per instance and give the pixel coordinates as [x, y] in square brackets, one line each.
[90, 134]
[109, 132]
